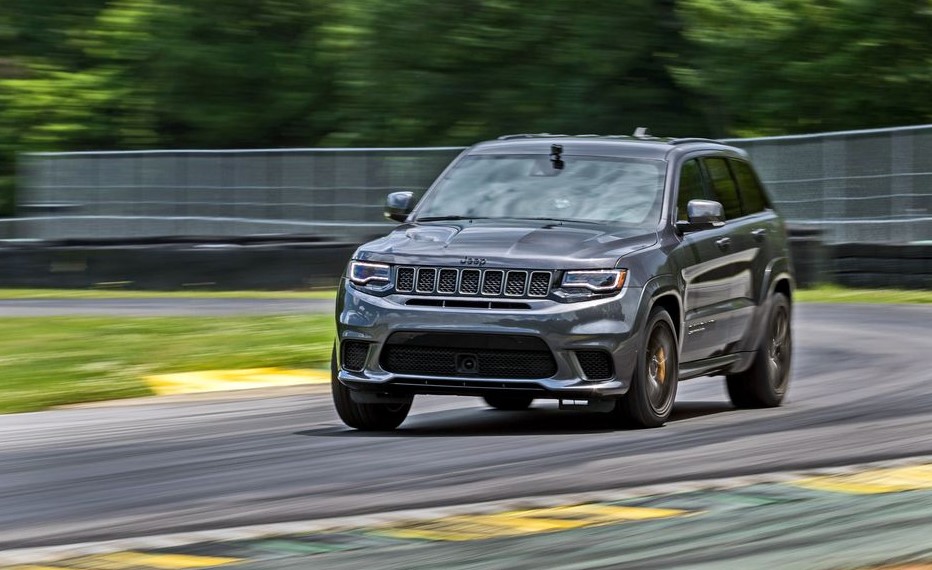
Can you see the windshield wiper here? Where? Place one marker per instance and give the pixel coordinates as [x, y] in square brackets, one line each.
[561, 220]
[448, 218]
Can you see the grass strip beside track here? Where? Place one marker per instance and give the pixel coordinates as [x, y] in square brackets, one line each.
[50, 361]
[837, 294]
[12, 294]
[65, 360]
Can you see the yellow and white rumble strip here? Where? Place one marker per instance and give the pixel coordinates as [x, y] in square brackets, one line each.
[478, 521]
[873, 481]
[525, 521]
[223, 380]
[138, 560]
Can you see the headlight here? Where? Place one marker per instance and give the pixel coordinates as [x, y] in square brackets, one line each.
[599, 281]
[376, 275]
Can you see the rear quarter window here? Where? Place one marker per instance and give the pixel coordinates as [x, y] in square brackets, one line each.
[753, 199]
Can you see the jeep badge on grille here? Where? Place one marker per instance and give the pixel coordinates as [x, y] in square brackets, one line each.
[472, 261]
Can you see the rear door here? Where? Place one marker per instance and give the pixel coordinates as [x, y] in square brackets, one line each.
[758, 228]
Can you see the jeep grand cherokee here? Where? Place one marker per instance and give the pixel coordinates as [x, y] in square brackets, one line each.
[596, 271]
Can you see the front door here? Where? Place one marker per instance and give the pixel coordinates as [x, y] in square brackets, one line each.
[716, 278]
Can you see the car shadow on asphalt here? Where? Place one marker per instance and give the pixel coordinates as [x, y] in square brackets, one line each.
[535, 421]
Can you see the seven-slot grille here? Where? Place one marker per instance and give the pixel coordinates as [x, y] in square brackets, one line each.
[486, 282]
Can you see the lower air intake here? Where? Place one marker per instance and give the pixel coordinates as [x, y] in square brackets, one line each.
[354, 355]
[469, 355]
[595, 364]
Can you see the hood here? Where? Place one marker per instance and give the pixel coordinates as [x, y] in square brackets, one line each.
[500, 243]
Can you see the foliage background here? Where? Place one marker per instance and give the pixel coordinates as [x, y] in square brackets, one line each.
[133, 74]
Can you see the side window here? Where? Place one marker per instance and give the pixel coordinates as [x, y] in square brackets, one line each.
[723, 185]
[752, 195]
[690, 187]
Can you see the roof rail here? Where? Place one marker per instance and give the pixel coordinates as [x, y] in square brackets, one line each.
[693, 140]
[528, 136]
[640, 137]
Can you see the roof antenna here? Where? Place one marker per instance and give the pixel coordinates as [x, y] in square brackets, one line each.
[556, 156]
[640, 132]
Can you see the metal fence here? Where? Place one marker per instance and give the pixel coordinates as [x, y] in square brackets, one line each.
[328, 192]
[860, 186]
[871, 186]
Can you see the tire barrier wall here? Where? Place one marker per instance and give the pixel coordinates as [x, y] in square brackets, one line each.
[880, 265]
[176, 266]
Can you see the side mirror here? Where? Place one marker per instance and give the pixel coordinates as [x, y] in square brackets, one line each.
[703, 215]
[399, 205]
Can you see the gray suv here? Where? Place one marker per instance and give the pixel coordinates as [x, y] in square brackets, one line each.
[595, 271]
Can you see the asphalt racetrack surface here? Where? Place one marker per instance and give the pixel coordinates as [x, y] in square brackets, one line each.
[860, 393]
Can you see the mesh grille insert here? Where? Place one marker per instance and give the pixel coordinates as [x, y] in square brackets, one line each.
[405, 279]
[595, 364]
[425, 280]
[515, 283]
[492, 282]
[540, 284]
[354, 354]
[447, 281]
[469, 284]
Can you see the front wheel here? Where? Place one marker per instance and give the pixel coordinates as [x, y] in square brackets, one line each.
[649, 401]
[365, 417]
[764, 384]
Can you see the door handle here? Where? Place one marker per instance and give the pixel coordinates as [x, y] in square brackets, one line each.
[759, 234]
[723, 243]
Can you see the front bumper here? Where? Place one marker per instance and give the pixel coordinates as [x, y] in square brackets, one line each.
[608, 324]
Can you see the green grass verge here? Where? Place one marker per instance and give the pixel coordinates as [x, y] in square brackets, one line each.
[51, 361]
[63, 360]
[13, 294]
[836, 294]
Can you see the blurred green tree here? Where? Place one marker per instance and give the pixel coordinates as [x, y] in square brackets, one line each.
[165, 74]
[427, 72]
[104, 74]
[201, 73]
[37, 55]
[784, 66]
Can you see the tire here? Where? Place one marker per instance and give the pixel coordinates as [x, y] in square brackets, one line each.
[364, 417]
[764, 384]
[649, 400]
[509, 403]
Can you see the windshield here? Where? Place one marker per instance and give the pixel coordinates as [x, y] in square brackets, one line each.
[587, 188]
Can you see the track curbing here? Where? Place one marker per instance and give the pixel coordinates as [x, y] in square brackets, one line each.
[379, 523]
[226, 380]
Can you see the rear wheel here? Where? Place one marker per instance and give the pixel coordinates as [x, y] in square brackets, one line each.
[365, 417]
[764, 384]
[649, 401]
[509, 403]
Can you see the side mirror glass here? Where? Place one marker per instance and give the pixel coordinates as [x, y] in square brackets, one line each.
[703, 215]
[399, 205]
